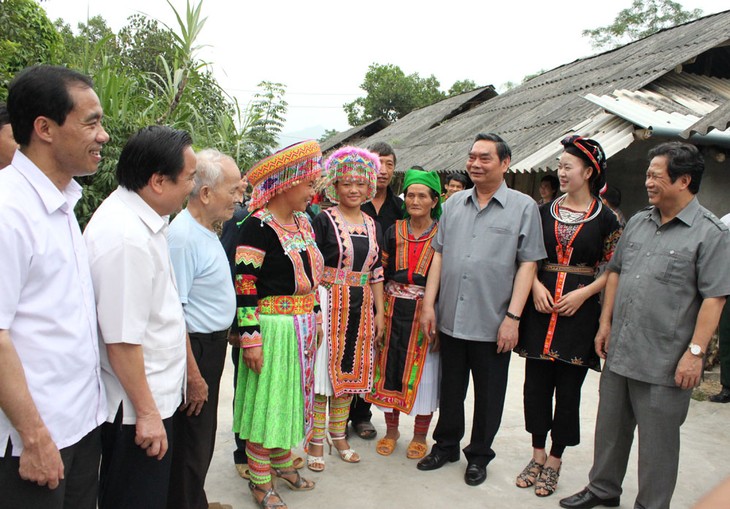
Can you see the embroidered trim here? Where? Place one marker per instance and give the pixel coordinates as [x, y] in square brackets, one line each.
[287, 304]
[249, 255]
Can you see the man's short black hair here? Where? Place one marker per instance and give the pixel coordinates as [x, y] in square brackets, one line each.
[553, 181]
[612, 195]
[461, 178]
[503, 150]
[383, 149]
[682, 159]
[41, 91]
[154, 149]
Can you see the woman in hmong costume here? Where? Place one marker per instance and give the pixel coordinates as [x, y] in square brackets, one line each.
[407, 369]
[278, 268]
[351, 288]
[561, 316]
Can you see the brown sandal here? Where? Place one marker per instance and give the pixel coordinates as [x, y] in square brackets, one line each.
[547, 482]
[529, 474]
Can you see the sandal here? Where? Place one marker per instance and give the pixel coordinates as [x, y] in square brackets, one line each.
[365, 430]
[386, 446]
[529, 474]
[299, 484]
[416, 450]
[347, 455]
[315, 463]
[265, 503]
[297, 461]
[243, 471]
[547, 482]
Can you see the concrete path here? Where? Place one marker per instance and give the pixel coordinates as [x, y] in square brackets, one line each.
[394, 482]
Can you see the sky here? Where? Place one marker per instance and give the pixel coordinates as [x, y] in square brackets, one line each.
[321, 49]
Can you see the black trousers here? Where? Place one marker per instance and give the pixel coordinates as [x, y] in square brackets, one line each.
[543, 379]
[195, 435]
[78, 489]
[128, 478]
[489, 371]
[239, 454]
[360, 410]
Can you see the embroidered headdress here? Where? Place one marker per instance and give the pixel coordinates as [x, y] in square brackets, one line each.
[590, 151]
[352, 163]
[429, 179]
[283, 170]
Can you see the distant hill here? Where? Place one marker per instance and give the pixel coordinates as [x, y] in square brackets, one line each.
[291, 137]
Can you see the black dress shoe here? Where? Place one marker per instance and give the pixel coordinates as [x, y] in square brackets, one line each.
[436, 460]
[721, 397]
[587, 499]
[475, 474]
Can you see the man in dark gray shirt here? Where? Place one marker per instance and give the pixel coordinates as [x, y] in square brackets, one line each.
[667, 285]
[487, 246]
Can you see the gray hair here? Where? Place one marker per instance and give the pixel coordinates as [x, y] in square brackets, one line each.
[209, 169]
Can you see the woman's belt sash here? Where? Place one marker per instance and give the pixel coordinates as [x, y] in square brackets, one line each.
[287, 304]
[405, 291]
[345, 277]
[570, 269]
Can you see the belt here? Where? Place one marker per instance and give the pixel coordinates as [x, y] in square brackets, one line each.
[287, 304]
[570, 269]
[404, 291]
[210, 336]
[334, 276]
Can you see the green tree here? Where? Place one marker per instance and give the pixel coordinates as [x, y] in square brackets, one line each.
[27, 37]
[327, 134]
[642, 19]
[462, 86]
[391, 94]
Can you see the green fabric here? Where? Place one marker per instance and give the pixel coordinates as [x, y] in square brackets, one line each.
[429, 179]
[269, 407]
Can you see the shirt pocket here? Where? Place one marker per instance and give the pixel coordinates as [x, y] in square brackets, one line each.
[673, 267]
[629, 255]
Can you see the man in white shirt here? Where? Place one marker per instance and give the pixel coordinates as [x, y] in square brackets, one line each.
[140, 317]
[209, 302]
[51, 394]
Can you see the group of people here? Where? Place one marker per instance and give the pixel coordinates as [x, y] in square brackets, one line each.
[113, 342]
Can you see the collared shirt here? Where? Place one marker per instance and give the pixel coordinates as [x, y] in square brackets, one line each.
[390, 211]
[47, 304]
[666, 271]
[136, 298]
[203, 275]
[481, 250]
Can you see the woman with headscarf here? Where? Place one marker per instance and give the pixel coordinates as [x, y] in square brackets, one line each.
[277, 270]
[561, 317]
[351, 294]
[407, 367]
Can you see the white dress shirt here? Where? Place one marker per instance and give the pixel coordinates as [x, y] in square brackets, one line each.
[47, 304]
[136, 298]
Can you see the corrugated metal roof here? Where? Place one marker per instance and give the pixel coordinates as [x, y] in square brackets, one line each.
[541, 111]
[719, 119]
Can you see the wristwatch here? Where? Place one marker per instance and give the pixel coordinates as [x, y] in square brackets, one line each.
[696, 350]
[513, 316]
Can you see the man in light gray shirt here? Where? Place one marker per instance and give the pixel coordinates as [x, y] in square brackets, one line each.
[487, 248]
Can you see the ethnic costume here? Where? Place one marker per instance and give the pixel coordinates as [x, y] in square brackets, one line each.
[344, 363]
[574, 250]
[560, 349]
[277, 270]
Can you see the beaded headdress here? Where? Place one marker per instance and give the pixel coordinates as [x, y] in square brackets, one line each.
[352, 163]
[283, 170]
[591, 149]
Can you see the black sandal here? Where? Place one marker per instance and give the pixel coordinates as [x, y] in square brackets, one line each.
[529, 474]
[300, 484]
[264, 502]
[548, 481]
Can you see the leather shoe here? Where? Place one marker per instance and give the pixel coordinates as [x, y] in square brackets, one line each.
[587, 499]
[721, 397]
[436, 460]
[475, 474]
